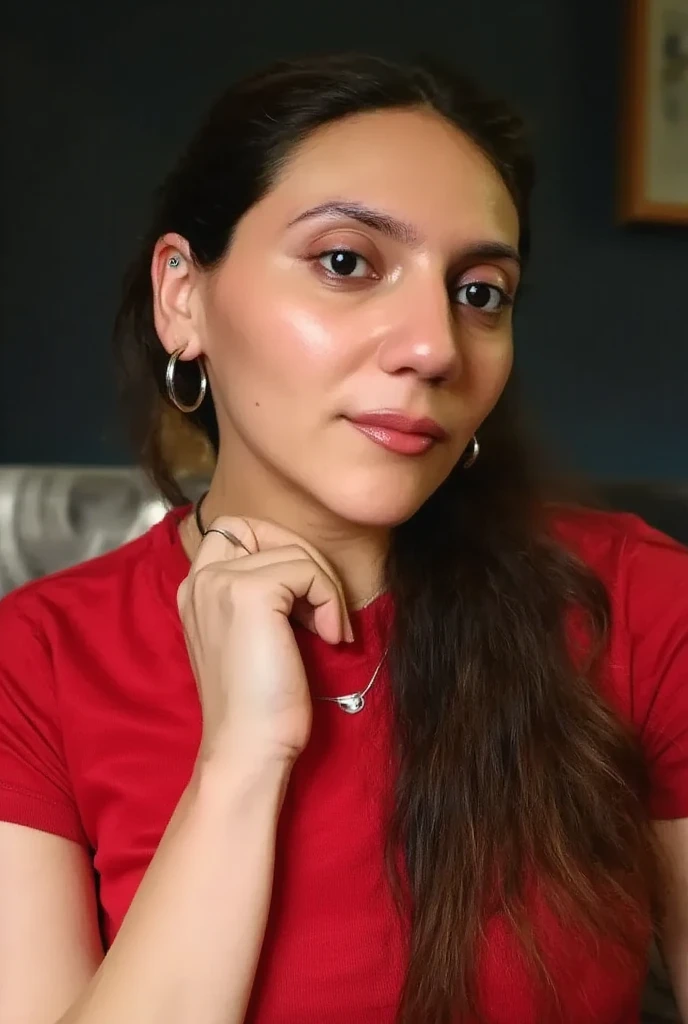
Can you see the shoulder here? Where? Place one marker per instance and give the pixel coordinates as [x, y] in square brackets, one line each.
[635, 561]
[646, 575]
[76, 649]
[92, 589]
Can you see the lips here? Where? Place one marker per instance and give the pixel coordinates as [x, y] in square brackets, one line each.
[405, 435]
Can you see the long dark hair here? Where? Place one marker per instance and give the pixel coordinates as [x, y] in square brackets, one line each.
[511, 766]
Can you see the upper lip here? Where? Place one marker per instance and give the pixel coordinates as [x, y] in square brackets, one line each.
[401, 421]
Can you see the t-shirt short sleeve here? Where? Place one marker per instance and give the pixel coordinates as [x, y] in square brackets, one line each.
[35, 788]
[656, 598]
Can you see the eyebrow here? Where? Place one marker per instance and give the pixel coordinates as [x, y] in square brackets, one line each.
[399, 230]
[396, 229]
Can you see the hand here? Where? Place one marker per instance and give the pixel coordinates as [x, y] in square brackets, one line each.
[235, 609]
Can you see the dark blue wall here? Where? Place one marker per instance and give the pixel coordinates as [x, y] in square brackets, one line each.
[101, 97]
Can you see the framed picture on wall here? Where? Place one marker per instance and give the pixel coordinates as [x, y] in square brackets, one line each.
[654, 137]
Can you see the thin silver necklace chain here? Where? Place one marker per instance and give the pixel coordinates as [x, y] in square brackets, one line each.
[350, 703]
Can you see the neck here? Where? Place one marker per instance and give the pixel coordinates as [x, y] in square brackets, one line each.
[356, 552]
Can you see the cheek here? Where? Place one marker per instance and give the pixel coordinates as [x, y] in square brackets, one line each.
[490, 361]
[307, 335]
[277, 333]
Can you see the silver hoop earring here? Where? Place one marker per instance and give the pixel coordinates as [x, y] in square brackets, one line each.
[173, 261]
[473, 454]
[169, 381]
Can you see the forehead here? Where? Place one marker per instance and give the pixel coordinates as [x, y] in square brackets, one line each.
[410, 163]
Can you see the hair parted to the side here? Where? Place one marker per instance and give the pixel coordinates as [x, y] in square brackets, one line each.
[512, 770]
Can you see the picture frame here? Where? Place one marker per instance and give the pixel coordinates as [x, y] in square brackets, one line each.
[654, 125]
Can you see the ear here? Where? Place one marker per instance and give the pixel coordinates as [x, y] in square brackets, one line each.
[174, 277]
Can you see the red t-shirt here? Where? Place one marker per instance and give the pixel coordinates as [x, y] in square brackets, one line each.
[100, 724]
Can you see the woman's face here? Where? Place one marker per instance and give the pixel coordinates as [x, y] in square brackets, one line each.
[374, 282]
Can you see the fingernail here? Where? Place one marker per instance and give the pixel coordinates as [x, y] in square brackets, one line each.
[349, 633]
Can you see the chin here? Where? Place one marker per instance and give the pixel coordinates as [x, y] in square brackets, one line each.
[380, 502]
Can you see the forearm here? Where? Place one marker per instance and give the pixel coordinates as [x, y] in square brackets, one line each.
[187, 950]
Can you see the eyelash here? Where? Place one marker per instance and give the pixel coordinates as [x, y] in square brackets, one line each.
[506, 300]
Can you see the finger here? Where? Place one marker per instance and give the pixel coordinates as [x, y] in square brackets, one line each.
[290, 553]
[302, 579]
[303, 611]
[269, 535]
[216, 547]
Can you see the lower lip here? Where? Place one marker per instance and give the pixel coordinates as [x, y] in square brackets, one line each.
[395, 440]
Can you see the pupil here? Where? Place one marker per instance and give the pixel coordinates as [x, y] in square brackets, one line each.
[479, 295]
[344, 262]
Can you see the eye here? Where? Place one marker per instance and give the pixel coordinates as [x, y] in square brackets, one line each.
[487, 298]
[344, 263]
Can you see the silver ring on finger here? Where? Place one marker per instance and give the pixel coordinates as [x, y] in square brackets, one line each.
[228, 536]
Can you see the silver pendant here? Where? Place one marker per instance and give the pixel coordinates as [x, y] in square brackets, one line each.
[352, 704]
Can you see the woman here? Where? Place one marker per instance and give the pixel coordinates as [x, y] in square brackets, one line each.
[440, 749]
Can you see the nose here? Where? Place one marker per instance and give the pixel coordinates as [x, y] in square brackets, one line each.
[422, 338]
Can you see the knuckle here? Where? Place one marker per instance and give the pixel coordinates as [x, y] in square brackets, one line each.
[243, 589]
[218, 585]
[303, 562]
[311, 568]
[205, 575]
[298, 553]
[208, 582]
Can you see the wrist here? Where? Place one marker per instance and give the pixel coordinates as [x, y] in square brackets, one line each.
[241, 780]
